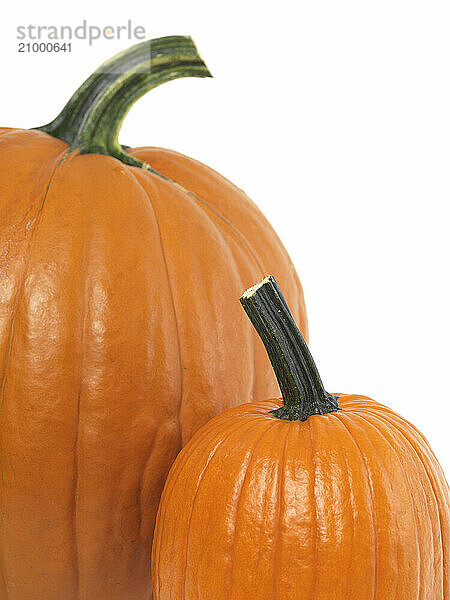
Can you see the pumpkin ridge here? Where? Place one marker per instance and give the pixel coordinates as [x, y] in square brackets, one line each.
[174, 156]
[385, 410]
[408, 485]
[281, 481]
[235, 231]
[238, 233]
[94, 234]
[199, 480]
[239, 237]
[167, 492]
[369, 479]
[202, 436]
[353, 506]
[170, 287]
[241, 240]
[355, 420]
[316, 532]
[250, 457]
[6, 132]
[24, 269]
[233, 228]
[172, 199]
[77, 450]
[75, 485]
[216, 212]
[169, 283]
[399, 428]
[233, 430]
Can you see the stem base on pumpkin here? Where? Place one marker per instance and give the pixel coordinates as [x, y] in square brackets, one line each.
[91, 120]
[301, 386]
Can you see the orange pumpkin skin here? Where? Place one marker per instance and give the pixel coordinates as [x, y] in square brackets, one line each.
[110, 358]
[350, 505]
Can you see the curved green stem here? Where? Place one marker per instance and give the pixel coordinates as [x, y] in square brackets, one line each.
[299, 380]
[92, 118]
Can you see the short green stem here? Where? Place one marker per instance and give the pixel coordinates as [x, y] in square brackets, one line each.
[299, 380]
[91, 120]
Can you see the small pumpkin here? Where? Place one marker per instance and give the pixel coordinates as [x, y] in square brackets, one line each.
[312, 497]
[111, 355]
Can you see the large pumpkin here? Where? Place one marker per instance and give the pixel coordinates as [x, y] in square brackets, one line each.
[315, 497]
[113, 351]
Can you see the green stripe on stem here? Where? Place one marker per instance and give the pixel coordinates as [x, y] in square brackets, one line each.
[299, 380]
[91, 120]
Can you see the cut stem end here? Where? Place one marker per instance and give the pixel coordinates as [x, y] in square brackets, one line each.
[300, 384]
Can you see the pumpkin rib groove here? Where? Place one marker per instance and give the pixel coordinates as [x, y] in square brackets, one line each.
[207, 433]
[413, 504]
[238, 235]
[174, 155]
[385, 411]
[316, 533]
[365, 404]
[76, 445]
[177, 155]
[5, 132]
[420, 435]
[202, 437]
[168, 490]
[234, 229]
[353, 507]
[414, 459]
[135, 176]
[337, 415]
[169, 283]
[398, 426]
[227, 257]
[145, 178]
[247, 251]
[441, 520]
[383, 467]
[218, 214]
[60, 157]
[281, 483]
[387, 421]
[260, 554]
[76, 450]
[75, 501]
[199, 479]
[27, 250]
[178, 471]
[176, 474]
[254, 426]
[249, 460]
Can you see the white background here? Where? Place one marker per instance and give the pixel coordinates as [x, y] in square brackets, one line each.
[335, 118]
